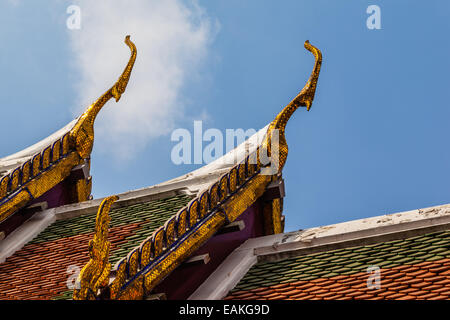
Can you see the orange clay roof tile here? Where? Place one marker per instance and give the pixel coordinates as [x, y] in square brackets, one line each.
[439, 298]
[39, 269]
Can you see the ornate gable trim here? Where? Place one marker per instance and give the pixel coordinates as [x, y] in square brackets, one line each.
[53, 164]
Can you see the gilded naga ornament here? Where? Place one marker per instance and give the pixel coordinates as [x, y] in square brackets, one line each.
[303, 99]
[83, 132]
[95, 274]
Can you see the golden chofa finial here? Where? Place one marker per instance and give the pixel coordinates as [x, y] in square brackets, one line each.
[303, 99]
[82, 134]
[306, 96]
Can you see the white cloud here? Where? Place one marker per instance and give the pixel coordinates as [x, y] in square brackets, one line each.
[172, 39]
[14, 2]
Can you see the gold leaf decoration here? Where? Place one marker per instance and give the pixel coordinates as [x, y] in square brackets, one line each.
[303, 99]
[95, 274]
[82, 135]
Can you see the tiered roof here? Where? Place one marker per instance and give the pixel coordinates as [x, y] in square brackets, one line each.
[40, 269]
[148, 238]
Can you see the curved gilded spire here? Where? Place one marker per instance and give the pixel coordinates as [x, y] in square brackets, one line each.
[83, 132]
[303, 99]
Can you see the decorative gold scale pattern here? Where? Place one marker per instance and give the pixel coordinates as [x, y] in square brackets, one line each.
[95, 274]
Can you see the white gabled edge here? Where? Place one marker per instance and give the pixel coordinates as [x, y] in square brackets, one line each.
[13, 161]
[226, 276]
[25, 233]
[227, 161]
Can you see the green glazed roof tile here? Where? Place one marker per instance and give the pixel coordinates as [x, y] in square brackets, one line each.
[431, 240]
[425, 256]
[361, 250]
[339, 260]
[324, 263]
[341, 270]
[438, 250]
[330, 274]
[404, 260]
[355, 264]
[442, 243]
[386, 264]
[347, 261]
[436, 258]
[309, 268]
[150, 215]
[308, 278]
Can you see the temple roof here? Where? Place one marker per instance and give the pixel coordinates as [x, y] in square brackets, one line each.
[410, 250]
[57, 238]
[39, 269]
[137, 239]
[137, 244]
[411, 268]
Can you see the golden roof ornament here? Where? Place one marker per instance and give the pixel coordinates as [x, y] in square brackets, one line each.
[83, 132]
[303, 99]
[95, 274]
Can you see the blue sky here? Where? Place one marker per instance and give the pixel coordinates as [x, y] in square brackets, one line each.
[374, 142]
